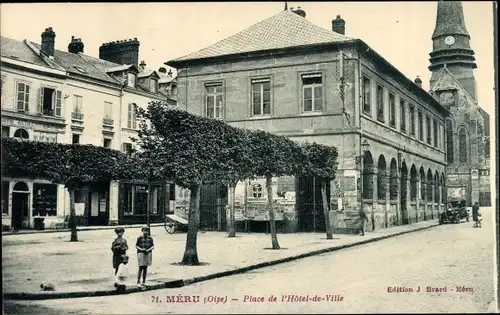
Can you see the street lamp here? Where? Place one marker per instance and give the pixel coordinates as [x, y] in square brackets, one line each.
[365, 146]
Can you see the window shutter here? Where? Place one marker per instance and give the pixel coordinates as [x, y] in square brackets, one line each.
[27, 98]
[20, 97]
[40, 101]
[58, 106]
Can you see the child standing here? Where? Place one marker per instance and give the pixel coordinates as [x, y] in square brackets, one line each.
[122, 274]
[119, 247]
[145, 246]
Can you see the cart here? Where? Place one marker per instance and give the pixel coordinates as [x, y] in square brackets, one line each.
[174, 223]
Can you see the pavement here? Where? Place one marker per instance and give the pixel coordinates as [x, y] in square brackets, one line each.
[356, 280]
[79, 269]
[80, 228]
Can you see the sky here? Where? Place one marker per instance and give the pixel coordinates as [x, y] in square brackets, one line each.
[399, 31]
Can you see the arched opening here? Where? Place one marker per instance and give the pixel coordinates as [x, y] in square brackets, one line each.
[444, 193]
[20, 198]
[430, 184]
[382, 179]
[423, 193]
[462, 144]
[368, 175]
[393, 185]
[437, 190]
[413, 183]
[404, 185]
[449, 141]
[21, 134]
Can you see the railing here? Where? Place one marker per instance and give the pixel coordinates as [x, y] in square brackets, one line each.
[77, 116]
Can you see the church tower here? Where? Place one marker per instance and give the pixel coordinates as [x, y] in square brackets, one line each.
[451, 46]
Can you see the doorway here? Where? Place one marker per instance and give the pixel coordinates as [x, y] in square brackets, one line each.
[311, 215]
[20, 205]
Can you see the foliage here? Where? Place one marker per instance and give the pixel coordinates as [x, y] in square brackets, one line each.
[320, 161]
[72, 165]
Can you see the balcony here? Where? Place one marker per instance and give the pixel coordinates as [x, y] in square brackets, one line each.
[77, 116]
[107, 122]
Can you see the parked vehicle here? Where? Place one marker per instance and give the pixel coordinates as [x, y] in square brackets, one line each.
[456, 210]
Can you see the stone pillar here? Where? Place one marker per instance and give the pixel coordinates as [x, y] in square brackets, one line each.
[387, 198]
[114, 202]
[408, 197]
[371, 216]
[433, 199]
[424, 198]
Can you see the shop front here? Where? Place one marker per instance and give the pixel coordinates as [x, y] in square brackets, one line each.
[140, 203]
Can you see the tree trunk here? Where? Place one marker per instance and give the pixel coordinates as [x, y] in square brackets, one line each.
[326, 210]
[272, 222]
[191, 253]
[72, 216]
[232, 223]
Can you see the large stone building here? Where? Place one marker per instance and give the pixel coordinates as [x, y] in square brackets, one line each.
[454, 86]
[288, 76]
[69, 97]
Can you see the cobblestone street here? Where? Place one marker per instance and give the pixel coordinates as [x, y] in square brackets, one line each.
[448, 256]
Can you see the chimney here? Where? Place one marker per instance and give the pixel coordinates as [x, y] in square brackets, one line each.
[169, 73]
[124, 52]
[162, 70]
[76, 45]
[338, 25]
[143, 65]
[48, 41]
[299, 11]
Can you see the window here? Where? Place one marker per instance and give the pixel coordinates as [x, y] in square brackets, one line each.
[21, 134]
[449, 142]
[462, 145]
[392, 110]
[367, 96]
[50, 102]
[23, 97]
[107, 143]
[5, 131]
[435, 133]
[261, 97]
[77, 104]
[132, 116]
[76, 139]
[412, 120]
[380, 103]
[257, 190]
[403, 116]
[44, 200]
[152, 85]
[127, 148]
[428, 130]
[108, 110]
[312, 92]
[420, 126]
[213, 100]
[131, 80]
[134, 199]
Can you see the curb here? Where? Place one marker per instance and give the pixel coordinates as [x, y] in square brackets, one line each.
[184, 282]
[81, 229]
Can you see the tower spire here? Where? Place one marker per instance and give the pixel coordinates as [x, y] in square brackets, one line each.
[450, 19]
[286, 6]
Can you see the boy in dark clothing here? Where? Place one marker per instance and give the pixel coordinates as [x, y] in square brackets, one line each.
[476, 216]
[118, 247]
[362, 217]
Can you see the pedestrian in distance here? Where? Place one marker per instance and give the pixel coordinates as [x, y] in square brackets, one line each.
[362, 217]
[122, 274]
[145, 246]
[119, 247]
[476, 216]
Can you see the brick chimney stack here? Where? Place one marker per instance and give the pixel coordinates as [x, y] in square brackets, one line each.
[76, 45]
[125, 52]
[48, 41]
[143, 65]
[338, 25]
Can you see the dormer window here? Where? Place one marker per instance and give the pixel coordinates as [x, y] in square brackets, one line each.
[153, 85]
[131, 80]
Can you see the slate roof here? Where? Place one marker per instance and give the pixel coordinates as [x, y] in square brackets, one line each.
[450, 19]
[18, 50]
[283, 30]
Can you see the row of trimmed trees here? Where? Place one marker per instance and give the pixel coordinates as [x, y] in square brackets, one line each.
[191, 150]
[72, 165]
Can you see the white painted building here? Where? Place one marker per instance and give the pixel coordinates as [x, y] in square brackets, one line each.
[69, 97]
